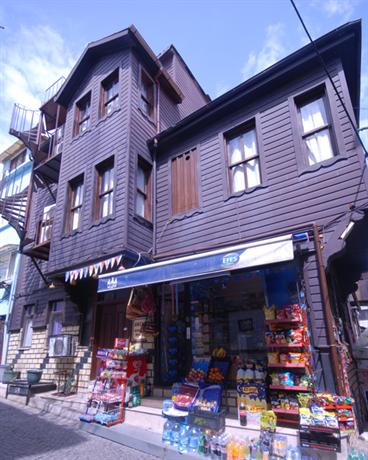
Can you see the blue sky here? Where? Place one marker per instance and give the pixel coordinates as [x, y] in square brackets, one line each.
[224, 42]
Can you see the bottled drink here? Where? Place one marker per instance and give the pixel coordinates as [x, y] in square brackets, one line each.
[194, 436]
[184, 439]
[166, 432]
[223, 448]
[175, 434]
[242, 414]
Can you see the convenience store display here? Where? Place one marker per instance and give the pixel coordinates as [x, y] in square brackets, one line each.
[121, 381]
[289, 368]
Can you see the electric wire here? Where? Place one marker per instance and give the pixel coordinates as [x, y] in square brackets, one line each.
[329, 77]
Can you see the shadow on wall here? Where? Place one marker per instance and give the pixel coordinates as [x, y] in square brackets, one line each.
[23, 434]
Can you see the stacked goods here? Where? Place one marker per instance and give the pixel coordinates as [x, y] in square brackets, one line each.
[219, 366]
[289, 379]
[251, 388]
[285, 337]
[284, 401]
[340, 406]
[284, 313]
[288, 358]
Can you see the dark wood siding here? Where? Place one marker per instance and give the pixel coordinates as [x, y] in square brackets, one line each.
[288, 197]
[107, 137]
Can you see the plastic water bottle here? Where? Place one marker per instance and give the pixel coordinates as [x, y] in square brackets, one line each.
[184, 439]
[175, 434]
[166, 432]
[194, 436]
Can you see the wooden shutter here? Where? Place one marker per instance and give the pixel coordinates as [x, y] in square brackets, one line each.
[184, 182]
[16, 316]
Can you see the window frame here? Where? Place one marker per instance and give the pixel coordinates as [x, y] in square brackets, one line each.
[45, 224]
[55, 314]
[77, 114]
[198, 207]
[100, 168]
[28, 317]
[114, 78]
[143, 74]
[18, 160]
[239, 132]
[146, 167]
[336, 136]
[71, 185]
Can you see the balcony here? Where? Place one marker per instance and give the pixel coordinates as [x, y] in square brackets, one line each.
[48, 158]
[54, 114]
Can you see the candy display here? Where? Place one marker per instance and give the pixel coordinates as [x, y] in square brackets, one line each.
[285, 337]
[284, 401]
[289, 312]
[208, 398]
[185, 396]
[199, 370]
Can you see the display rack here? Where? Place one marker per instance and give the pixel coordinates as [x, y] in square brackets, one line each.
[290, 415]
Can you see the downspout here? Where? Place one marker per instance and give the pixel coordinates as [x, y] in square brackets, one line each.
[154, 170]
[332, 343]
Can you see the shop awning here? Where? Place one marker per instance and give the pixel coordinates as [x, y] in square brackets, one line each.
[214, 263]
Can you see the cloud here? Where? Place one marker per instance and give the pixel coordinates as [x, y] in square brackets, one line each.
[272, 51]
[343, 8]
[33, 59]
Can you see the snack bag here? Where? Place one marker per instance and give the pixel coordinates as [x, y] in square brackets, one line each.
[269, 312]
[273, 358]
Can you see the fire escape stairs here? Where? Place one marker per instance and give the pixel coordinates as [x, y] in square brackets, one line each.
[13, 209]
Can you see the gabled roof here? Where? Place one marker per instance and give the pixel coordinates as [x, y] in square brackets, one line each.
[172, 50]
[126, 38]
[343, 42]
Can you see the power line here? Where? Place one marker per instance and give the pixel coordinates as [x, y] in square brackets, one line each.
[329, 77]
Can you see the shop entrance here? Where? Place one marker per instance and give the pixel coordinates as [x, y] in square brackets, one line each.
[110, 322]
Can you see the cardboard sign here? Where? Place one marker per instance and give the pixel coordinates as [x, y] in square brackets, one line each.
[137, 335]
[121, 343]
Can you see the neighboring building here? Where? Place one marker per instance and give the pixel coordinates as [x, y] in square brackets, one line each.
[15, 175]
[230, 198]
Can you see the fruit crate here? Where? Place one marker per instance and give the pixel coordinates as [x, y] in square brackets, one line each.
[206, 420]
[218, 367]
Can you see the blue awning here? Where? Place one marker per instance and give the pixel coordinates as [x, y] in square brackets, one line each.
[214, 263]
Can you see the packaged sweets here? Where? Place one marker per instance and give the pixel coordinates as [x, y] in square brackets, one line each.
[304, 399]
[273, 358]
[268, 420]
[286, 378]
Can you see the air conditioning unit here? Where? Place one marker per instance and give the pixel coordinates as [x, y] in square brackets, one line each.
[60, 345]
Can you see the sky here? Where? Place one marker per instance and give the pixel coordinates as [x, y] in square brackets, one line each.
[224, 42]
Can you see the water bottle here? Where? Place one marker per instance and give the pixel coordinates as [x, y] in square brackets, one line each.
[184, 439]
[175, 434]
[166, 432]
[194, 436]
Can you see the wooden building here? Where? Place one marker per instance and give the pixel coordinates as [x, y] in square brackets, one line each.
[138, 166]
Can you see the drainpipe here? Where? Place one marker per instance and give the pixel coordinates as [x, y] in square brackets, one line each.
[154, 166]
[332, 343]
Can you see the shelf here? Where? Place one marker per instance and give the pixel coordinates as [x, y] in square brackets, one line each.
[290, 366]
[287, 420]
[285, 411]
[290, 388]
[284, 321]
[319, 428]
[284, 345]
[345, 419]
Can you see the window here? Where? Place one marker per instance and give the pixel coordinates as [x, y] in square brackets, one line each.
[56, 317]
[18, 160]
[147, 94]
[45, 226]
[58, 140]
[105, 189]
[109, 93]
[27, 326]
[143, 197]
[243, 157]
[316, 129]
[74, 218]
[184, 182]
[82, 114]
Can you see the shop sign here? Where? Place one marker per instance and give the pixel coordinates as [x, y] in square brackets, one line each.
[137, 335]
[210, 263]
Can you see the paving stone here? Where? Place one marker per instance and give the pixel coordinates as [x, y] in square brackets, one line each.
[28, 434]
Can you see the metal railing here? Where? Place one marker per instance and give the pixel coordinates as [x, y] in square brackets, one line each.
[53, 89]
[25, 122]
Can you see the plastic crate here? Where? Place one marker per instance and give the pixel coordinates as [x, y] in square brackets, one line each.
[207, 420]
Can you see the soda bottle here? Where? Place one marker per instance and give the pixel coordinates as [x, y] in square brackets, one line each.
[166, 432]
[242, 414]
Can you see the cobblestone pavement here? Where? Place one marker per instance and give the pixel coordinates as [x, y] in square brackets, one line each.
[26, 433]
